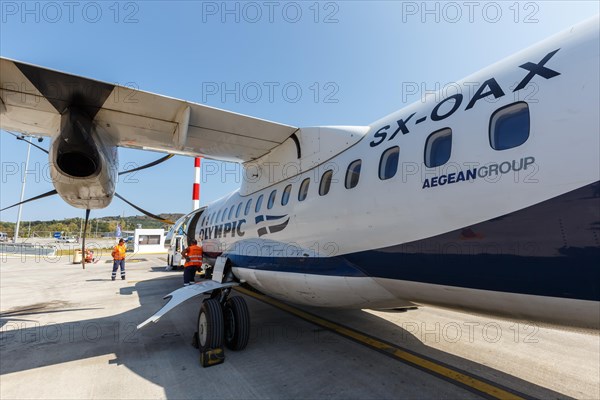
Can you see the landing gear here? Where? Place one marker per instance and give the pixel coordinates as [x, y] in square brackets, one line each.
[228, 323]
[210, 325]
[222, 319]
[237, 323]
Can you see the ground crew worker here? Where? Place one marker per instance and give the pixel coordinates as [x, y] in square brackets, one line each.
[118, 255]
[193, 261]
[89, 256]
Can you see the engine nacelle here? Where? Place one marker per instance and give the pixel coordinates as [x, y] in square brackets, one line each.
[83, 167]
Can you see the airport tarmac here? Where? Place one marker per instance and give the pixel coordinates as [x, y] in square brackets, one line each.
[70, 333]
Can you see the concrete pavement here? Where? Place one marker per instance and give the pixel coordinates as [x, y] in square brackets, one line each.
[70, 333]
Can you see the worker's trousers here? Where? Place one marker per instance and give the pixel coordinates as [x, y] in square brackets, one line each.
[189, 274]
[116, 264]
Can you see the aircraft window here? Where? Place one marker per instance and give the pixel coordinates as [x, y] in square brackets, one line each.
[438, 148]
[258, 203]
[238, 210]
[303, 192]
[271, 199]
[509, 126]
[285, 197]
[248, 205]
[218, 216]
[325, 182]
[388, 165]
[224, 215]
[230, 216]
[352, 174]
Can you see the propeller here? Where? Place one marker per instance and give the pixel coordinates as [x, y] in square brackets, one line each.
[21, 137]
[87, 211]
[149, 214]
[87, 217]
[41, 196]
[152, 164]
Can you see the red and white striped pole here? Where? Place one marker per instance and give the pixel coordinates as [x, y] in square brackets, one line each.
[196, 190]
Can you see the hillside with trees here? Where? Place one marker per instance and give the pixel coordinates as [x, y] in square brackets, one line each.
[97, 227]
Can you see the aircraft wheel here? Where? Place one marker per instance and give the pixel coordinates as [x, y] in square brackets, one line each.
[237, 323]
[210, 325]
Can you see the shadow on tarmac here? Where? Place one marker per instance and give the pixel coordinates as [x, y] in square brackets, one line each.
[162, 352]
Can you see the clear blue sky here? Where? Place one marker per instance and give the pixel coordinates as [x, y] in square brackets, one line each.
[360, 56]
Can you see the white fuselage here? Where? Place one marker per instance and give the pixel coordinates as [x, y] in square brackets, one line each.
[449, 234]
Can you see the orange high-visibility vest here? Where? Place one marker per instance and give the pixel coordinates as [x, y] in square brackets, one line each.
[194, 254]
[118, 252]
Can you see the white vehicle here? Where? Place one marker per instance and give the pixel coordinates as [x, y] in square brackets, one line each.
[174, 257]
[483, 199]
[3, 237]
[177, 239]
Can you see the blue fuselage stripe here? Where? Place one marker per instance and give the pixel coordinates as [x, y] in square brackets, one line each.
[531, 259]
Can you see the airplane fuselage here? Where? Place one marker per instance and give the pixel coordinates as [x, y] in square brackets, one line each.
[485, 198]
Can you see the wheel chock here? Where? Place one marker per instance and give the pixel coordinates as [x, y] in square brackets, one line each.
[212, 357]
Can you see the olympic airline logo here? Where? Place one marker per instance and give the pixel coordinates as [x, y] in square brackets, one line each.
[270, 223]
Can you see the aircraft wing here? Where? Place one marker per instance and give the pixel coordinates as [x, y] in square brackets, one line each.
[32, 99]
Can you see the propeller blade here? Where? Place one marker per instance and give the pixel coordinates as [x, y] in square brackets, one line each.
[85, 225]
[166, 221]
[152, 164]
[21, 137]
[41, 196]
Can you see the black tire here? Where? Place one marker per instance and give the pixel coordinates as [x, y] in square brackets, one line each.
[210, 325]
[237, 323]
